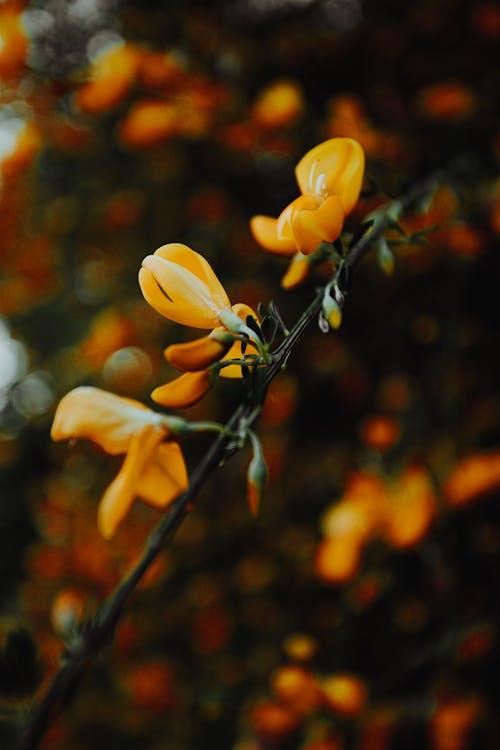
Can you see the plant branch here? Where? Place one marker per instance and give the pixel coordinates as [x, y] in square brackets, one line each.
[96, 634]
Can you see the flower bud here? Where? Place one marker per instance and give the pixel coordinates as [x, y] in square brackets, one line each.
[332, 311]
[257, 475]
[385, 257]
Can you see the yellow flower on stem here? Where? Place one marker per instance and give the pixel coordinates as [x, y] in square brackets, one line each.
[184, 391]
[153, 470]
[200, 353]
[330, 178]
[182, 286]
[194, 359]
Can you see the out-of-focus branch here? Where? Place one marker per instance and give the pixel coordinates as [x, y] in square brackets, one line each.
[98, 632]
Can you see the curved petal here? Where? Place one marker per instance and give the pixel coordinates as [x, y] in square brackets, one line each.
[335, 167]
[177, 293]
[185, 390]
[118, 498]
[264, 231]
[182, 255]
[165, 476]
[200, 353]
[286, 217]
[297, 272]
[234, 371]
[311, 227]
[110, 421]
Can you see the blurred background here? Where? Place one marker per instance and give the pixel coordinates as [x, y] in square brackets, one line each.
[360, 609]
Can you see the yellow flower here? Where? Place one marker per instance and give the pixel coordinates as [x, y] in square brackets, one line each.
[184, 391]
[335, 167]
[330, 178]
[200, 353]
[153, 470]
[181, 285]
[194, 358]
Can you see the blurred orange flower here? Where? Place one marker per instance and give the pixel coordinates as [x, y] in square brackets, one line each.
[447, 101]
[344, 693]
[149, 122]
[153, 470]
[473, 477]
[13, 44]
[112, 75]
[279, 104]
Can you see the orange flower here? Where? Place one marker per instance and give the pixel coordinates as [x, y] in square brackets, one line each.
[194, 359]
[329, 178]
[13, 44]
[278, 105]
[409, 508]
[448, 101]
[344, 693]
[112, 75]
[183, 391]
[200, 353]
[20, 144]
[473, 477]
[149, 122]
[153, 470]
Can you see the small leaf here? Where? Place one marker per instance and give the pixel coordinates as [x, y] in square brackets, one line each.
[276, 315]
[269, 326]
[262, 310]
[253, 325]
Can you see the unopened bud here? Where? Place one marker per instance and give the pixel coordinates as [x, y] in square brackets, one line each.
[257, 475]
[332, 311]
[385, 257]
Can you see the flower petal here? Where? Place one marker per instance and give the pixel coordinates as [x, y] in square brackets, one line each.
[165, 476]
[264, 231]
[200, 353]
[297, 272]
[335, 167]
[311, 227]
[178, 294]
[182, 255]
[185, 390]
[287, 216]
[234, 371]
[108, 420]
[118, 498]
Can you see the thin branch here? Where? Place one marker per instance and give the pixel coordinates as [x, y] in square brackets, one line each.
[99, 631]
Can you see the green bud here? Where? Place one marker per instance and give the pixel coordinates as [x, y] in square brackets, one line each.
[257, 475]
[385, 257]
[332, 311]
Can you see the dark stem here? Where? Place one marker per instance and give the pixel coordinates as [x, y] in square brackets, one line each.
[99, 631]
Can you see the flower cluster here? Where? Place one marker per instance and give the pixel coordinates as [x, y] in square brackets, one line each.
[182, 286]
